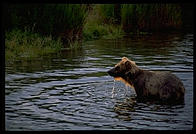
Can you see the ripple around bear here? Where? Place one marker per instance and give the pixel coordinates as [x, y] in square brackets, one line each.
[163, 87]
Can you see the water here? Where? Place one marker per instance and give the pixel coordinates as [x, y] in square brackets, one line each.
[72, 91]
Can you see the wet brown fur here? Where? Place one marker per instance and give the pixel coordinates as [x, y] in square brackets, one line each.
[149, 85]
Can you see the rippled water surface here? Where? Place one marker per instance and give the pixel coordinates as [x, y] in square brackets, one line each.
[72, 91]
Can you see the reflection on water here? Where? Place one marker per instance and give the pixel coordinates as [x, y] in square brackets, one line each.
[72, 91]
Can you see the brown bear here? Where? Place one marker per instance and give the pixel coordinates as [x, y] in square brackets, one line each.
[149, 85]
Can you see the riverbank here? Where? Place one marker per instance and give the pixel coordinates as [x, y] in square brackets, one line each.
[24, 44]
[38, 37]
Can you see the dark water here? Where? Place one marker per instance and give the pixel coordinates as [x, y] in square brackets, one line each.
[72, 91]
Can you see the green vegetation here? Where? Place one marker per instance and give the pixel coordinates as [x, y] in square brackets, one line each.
[150, 17]
[102, 23]
[57, 25]
[58, 20]
[48, 28]
[115, 20]
[95, 31]
[28, 45]
[109, 13]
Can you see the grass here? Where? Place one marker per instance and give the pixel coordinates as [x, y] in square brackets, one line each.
[66, 25]
[25, 44]
[150, 17]
[75, 45]
[98, 25]
[104, 31]
[59, 20]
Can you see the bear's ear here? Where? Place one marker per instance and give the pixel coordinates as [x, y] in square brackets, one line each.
[124, 58]
[128, 65]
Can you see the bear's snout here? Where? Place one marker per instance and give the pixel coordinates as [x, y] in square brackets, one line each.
[111, 72]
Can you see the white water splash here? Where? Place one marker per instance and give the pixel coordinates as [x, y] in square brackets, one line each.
[113, 90]
[126, 90]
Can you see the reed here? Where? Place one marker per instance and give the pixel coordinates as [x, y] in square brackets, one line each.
[106, 12]
[59, 20]
[102, 22]
[150, 17]
[128, 17]
[20, 43]
[109, 13]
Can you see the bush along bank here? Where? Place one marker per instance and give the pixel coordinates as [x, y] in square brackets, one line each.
[115, 20]
[38, 29]
[29, 45]
[68, 24]
[150, 17]
[63, 21]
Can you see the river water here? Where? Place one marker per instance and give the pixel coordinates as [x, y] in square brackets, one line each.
[72, 91]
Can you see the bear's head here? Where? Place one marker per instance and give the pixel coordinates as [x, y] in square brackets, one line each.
[123, 68]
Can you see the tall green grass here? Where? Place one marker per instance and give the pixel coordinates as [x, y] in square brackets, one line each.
[20, 43]
[62, 25]
[59, 20]
[109, 13]
[128, 17]
[132, 18]
[102, 22]
[73, 22]
[150, 17]
[69, 21]
[106, 12]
